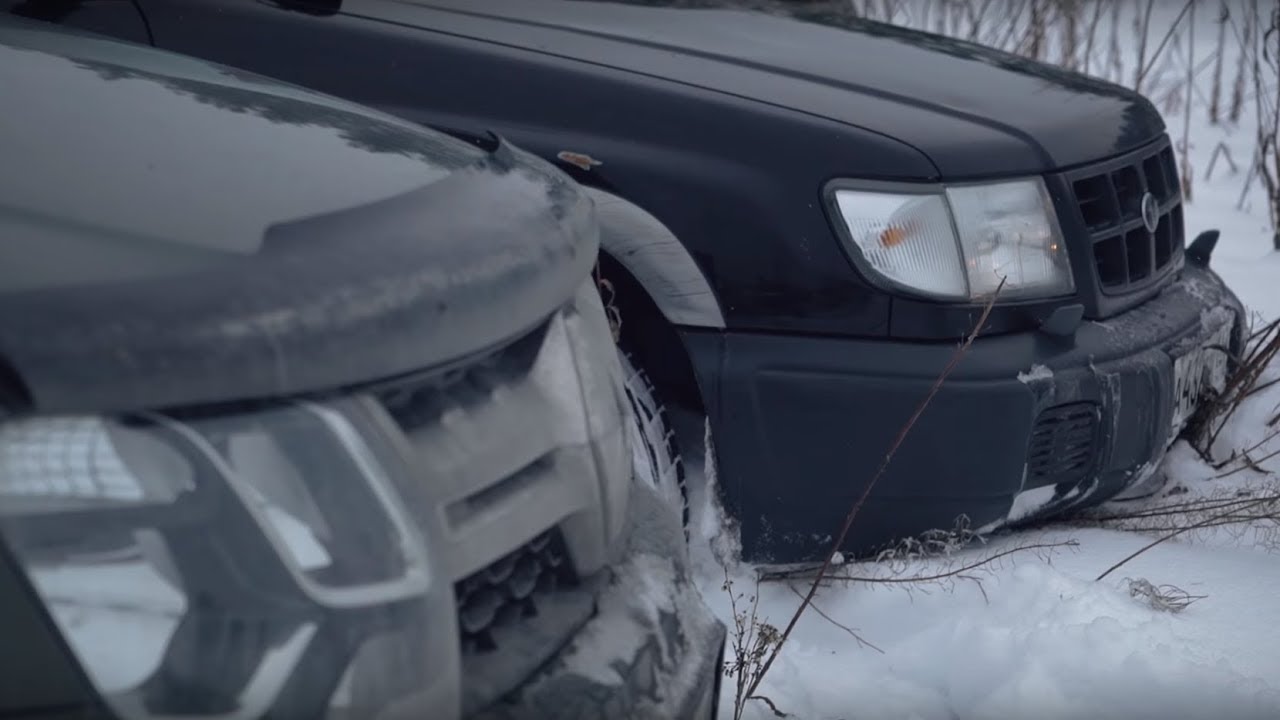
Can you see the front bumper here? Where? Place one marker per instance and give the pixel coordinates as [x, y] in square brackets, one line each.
[651, 651]
[802, 423]
[545, 584]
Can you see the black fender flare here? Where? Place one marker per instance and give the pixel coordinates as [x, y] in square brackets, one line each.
[657, 259]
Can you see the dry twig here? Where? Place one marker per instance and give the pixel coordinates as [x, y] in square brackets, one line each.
[1172, 535]
[956, 357]
[1165, 598]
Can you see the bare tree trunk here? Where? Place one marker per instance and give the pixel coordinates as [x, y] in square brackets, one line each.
[1069, 11]
[1215, 98]
[1117, 62]
[1186, 114]
[1093, 31]
[1034, 45]
[1242, 68]
[1142, 26]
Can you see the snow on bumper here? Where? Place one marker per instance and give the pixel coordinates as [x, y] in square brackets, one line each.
[1149, 377]
[802, 422]
[653, 648]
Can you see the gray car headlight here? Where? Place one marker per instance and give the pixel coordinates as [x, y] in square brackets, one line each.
[958, 243]
[229, 564]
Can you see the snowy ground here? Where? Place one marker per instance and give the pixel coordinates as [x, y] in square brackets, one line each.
[1035, 635]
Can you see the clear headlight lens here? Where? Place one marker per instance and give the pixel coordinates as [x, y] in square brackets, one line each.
[225, 565]
[959, 243]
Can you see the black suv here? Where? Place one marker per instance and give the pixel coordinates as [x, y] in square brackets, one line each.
[802, 214]
[309, 412]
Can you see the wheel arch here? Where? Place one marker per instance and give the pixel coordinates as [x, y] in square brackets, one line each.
[657, 260]
[656, 286]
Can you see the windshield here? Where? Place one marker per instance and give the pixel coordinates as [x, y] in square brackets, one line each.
[223, 563]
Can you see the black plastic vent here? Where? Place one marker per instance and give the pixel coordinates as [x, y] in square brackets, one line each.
[1063, 445]
[1127, 255]
[509, 590]
[418, 402]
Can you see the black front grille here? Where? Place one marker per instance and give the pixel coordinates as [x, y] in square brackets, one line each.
[1127, 256]
[497, 598]
[1063, 445]
[418, 402]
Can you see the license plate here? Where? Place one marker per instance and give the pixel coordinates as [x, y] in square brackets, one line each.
[1197, 373]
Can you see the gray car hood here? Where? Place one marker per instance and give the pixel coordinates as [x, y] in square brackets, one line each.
[175, 232]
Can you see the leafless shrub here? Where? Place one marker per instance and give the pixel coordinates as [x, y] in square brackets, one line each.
[1165, 598]
[1261, 348]
[1249, 508]
[1221, 150]
[1163, 60]
[902, 565]
[1240, 516]
[929, 544]
[752, 641]
[1266, 88]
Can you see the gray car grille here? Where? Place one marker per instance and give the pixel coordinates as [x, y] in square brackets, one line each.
[498, 598]
[483, 431]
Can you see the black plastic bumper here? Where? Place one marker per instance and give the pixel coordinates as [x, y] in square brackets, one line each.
[802, 423]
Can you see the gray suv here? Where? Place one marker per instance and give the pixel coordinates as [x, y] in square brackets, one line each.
[306, 411]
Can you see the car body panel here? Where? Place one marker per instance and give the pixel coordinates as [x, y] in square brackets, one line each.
[696, 113]
[658, 143]
[973, 111]
[377, 395]
[802, 422]
[726, 127]
[402, 260]
[115, 18]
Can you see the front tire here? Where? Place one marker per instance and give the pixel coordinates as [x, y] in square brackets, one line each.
[655, 454]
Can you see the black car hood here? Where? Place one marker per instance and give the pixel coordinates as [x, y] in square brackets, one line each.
[172, 232]
[974, 111]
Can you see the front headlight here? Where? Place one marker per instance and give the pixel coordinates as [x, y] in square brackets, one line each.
[231, 565]
[958, 243]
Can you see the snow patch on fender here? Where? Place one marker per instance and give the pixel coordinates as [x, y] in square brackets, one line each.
[1035, 374]
[1030, 502]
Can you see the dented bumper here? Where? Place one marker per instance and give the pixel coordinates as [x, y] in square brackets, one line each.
[1028, 424]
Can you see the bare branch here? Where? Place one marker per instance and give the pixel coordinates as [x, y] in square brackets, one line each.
[1144, 69]
[956, 357]
[862, 642]
[956, 572]
[1165, 598]
[1164, 538]
[767, 701]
